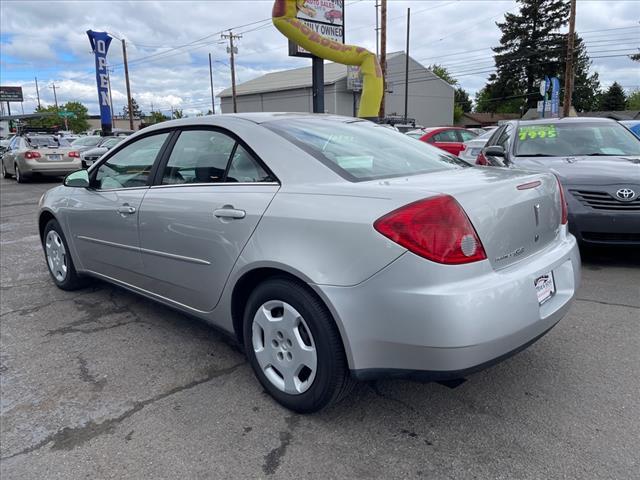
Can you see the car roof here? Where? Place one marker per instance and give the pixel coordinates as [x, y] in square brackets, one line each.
[565, 120]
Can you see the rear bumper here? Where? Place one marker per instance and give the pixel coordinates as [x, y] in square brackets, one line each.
[30, 167]
[446, 321]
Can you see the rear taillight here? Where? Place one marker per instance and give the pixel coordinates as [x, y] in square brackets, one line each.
[30, 155]
[481, 160]
[435, 228]
[563, 204]
[74, 154]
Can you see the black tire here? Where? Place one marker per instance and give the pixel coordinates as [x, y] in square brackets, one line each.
[5, 174]
[332, 380]
[20, 178]
[72, 281]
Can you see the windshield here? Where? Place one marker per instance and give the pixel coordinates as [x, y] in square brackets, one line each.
[42, 142]
[362, 150]
[111, 142]
[90, 141]
[573, 139]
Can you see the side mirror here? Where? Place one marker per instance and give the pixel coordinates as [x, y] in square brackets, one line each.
[78, 178]
[494, 151]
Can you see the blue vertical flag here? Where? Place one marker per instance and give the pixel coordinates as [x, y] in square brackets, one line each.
[555, 97]
[100, 45]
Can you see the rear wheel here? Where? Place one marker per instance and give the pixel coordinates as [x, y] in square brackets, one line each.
[20, 178]
[59, 261]
[294, 346]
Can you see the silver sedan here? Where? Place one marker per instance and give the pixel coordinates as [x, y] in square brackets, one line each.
[331, 248]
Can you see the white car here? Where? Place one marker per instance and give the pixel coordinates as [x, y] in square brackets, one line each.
[473, 147]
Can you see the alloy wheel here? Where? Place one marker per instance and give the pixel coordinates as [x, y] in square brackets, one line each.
[284, 347]
[56, 255]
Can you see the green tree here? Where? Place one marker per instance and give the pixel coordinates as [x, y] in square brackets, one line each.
[633, 100]
[529, 49]
[135, 108]
[178, 114]
[443, 73]
[613, 99]
[156, 117]
[76, 123]
[461, 99]
[586, 87]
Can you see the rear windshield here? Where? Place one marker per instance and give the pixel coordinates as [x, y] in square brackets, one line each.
[575, 139]
[90, 141]
[41, 142]
[361, 150]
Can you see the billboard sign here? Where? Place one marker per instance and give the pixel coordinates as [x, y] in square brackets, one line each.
[324, 17]
[100, 44]
[11, 94]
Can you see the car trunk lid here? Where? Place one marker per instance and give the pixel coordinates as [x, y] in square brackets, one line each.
[515, 213]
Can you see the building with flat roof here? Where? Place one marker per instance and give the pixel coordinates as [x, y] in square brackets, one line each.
[430, 98]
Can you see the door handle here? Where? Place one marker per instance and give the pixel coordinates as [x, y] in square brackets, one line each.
[229, 212]
[126, 210]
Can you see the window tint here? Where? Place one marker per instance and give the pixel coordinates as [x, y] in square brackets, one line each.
[446, 136]
[466, 136]
[244, 168]
[199, 156]
[130, 166]
[361, 150]
[505, 137]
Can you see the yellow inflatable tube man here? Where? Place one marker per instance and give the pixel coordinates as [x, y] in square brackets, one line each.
[284, 19]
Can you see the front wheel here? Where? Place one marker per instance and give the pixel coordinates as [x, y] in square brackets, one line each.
[59, 261]
[5, 174]
[294, 346]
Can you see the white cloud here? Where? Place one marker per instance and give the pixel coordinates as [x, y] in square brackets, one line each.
[56, 47]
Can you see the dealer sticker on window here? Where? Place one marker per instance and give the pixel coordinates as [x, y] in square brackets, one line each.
[545, 287]
[530, 132]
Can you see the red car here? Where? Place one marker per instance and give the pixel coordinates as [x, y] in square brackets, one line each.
[450, 139]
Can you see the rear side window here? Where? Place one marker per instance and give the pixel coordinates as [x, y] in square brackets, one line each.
[199, 156]
[361, 150]
[244, 168]
[446, 136]
[466, 136]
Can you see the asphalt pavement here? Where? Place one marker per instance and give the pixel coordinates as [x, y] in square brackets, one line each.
[101, 383]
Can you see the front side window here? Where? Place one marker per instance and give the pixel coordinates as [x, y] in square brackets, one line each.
[199, 156]
[361, 150]
[130, 166]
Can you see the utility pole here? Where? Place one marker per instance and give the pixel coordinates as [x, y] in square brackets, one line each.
[38, 93]
[55, 97]
[568, 73]
[126, 77]
[406, 69]
[377, 30]
[213, 105]
[231, 51]
[383, 52]
[110, 97]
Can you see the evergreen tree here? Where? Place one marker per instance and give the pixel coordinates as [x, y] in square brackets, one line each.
[461, 98]
[137, 113]
[462, 102]
[633, 100]
[613, 99]
[529, 49]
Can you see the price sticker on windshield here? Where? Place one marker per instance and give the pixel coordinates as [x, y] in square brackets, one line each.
[531, 132]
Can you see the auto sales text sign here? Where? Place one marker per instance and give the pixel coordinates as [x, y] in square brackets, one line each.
[11, 94]
[100, 42]
[325, 17]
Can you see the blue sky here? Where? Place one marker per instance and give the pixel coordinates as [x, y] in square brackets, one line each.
[48, 40]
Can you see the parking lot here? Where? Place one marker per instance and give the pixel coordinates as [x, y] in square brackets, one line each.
[101, 383]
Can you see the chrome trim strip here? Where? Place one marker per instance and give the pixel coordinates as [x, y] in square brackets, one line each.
[175, 256]
[145, 250]
[105, 242]
[212, 184]
[143, 291]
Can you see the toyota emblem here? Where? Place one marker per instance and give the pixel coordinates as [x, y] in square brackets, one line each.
[625, 194]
